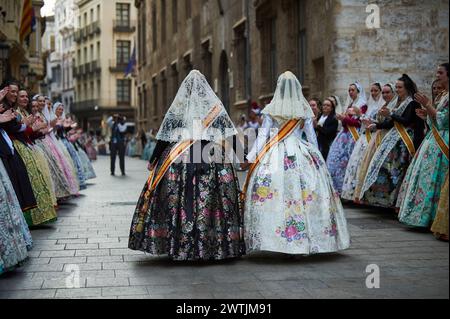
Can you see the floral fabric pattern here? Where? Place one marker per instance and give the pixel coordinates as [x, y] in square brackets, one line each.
[291, 204]
[338, 158]
[194, 214]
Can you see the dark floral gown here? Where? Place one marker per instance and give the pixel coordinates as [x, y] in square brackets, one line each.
[194, 213]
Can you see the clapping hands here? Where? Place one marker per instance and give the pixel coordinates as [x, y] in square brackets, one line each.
[7, 116]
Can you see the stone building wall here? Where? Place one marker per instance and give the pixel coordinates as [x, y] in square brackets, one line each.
[412, 38]
[326, 43]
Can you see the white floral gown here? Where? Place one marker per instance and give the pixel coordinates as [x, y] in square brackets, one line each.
[291, 206]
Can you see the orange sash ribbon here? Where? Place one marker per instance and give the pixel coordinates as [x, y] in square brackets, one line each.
[354, 133]
[440, 141]
[406, 138]
[284, 132]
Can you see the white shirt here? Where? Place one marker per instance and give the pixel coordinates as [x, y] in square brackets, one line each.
[322, 120]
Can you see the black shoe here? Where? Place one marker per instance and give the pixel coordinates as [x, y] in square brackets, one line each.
[123, 174]
[112, 174]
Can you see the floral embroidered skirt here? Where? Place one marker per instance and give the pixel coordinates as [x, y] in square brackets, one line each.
[194, 214]
[353, 168]
[291, 206]
[15, 237]
[338, 158]
[421, 190]
[385, 190]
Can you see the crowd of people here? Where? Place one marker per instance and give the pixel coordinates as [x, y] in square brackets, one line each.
[43, 164]
[389, 151]
[392, 149]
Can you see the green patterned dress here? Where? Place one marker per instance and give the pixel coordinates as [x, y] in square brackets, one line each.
[421, 189]
[45, 212]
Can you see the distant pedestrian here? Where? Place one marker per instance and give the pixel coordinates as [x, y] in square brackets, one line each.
[117, 144]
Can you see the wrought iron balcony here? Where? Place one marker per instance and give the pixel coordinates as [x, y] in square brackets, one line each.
[124, 26]
[118, 66]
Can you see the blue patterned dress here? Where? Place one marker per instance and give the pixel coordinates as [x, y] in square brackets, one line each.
[15, 237]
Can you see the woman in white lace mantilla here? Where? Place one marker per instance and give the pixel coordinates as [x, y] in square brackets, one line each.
[290, 204]
[189, 208]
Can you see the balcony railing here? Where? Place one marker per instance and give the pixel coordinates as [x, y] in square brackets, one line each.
[95, 67]
[94, 28]
[77, 36]
[83, 106]
[124, 26]
[118, 66]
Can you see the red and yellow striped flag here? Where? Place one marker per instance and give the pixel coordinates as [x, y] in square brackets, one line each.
[28, 21]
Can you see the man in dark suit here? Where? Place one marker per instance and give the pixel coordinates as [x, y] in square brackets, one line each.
[117, 144]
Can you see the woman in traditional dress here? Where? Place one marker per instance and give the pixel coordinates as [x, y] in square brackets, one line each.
[12, 162]
[327, 126]
[88, 169]
[39, 155]
[15, 237]
[390, 98]
[424, 180]
[392, 158]
[351, 174]
[45, 211]
[290, 204]
[343, 145]
[90, 146]
[62, 128]
[60, 164]
[189, 208]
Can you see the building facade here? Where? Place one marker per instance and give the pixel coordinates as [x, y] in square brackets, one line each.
[65, 17]
[21, 61]
[243, 45]
[104, 37]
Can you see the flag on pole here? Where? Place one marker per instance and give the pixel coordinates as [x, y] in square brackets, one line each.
[131, 64]
[28, 21]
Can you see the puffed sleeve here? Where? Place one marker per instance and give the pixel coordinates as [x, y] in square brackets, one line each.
[263, 135]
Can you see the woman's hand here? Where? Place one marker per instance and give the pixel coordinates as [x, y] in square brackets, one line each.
[385, 112]
[3, 93]
[423, 100]
[367, 122]
[7, 116]
[340, 117]
[245, 165]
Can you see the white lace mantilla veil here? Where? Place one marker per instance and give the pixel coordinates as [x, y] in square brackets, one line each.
[288, 102]
[361, 100]
[193, 104]
[374, 105]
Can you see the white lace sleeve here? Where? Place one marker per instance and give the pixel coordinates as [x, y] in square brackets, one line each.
[263, 134]
[310, 132]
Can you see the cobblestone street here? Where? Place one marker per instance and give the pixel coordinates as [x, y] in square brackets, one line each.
[91, 235]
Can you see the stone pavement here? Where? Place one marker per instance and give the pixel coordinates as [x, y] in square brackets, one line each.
[92, 232]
